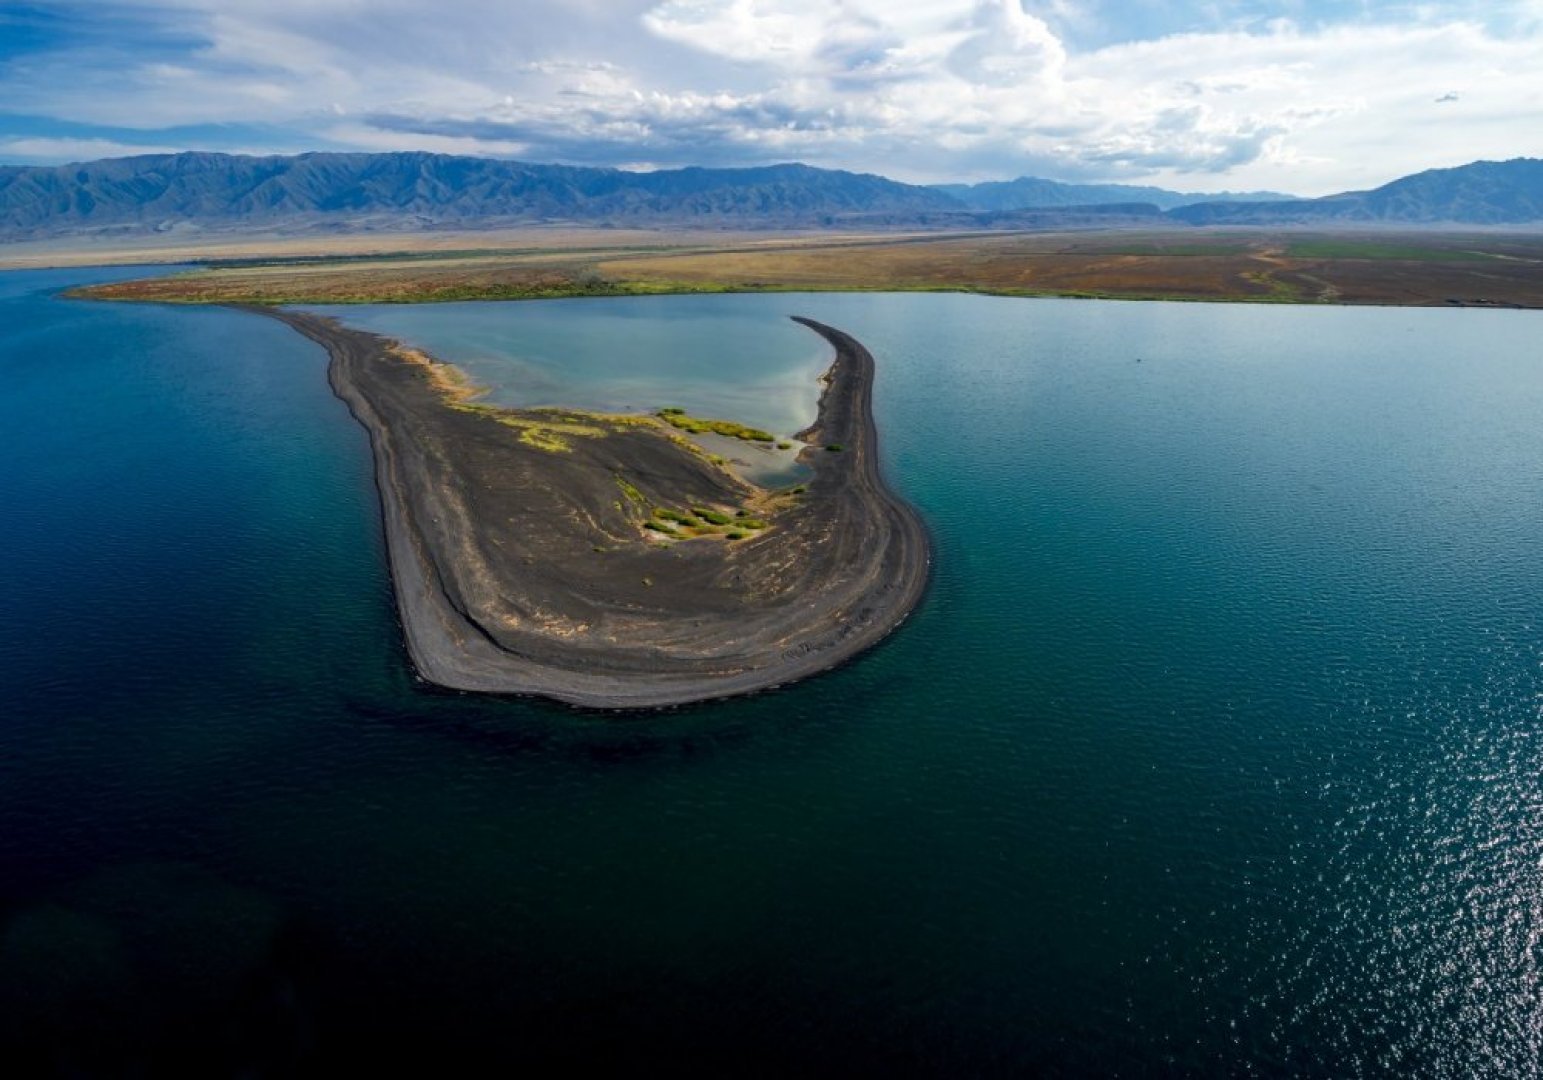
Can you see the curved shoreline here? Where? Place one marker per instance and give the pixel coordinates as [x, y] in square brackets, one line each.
[518, 571]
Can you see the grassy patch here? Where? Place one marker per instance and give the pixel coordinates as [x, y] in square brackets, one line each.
[1178, 250]
[634, 496]
[1352, 248]
[705, 522]
[698, 426]
[554, 436]
[554, 430]
[1275, 288]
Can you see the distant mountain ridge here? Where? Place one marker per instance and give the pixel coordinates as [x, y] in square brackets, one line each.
[157, 192]
[1028, 192]
[1480, 193]
[330, 191]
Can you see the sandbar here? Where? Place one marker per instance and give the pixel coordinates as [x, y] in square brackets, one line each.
[606, 561]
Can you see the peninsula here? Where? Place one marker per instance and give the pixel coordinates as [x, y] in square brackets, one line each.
[607, 561]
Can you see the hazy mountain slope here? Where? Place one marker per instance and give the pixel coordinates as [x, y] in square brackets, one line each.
[220, 190]
[1482, 193]
[1028, 192]
[408, 190]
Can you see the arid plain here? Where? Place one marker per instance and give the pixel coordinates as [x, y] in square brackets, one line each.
[1469, 268]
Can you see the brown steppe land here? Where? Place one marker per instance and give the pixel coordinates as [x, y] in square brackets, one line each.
[1430, 267]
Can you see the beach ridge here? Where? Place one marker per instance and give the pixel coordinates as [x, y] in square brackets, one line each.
[518, 570]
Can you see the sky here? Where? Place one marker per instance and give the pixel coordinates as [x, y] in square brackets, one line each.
[1306, 97]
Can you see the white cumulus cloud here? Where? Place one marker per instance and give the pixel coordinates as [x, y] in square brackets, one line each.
[930, 89]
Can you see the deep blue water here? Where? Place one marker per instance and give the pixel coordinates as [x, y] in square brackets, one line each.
[1214, 748]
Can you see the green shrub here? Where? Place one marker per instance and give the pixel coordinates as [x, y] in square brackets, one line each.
[698, 426]
[631, 492]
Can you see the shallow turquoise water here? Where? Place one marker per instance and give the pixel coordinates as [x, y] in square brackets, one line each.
[1213, 748]
[691, 352]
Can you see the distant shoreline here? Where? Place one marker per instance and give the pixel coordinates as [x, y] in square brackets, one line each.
[1253, 265]
[519, 570]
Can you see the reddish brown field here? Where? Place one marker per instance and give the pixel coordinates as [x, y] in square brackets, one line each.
[1382, 269]
[1424, 268]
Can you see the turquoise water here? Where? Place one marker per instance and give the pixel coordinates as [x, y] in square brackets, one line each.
[1213, 748]
[691, 352]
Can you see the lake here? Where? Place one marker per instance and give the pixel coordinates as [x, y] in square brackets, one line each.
[1214, 747]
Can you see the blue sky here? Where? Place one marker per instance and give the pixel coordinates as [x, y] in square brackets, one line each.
[1308, 97]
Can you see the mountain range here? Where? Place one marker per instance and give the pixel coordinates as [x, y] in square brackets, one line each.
[1482, 193]
[1031, 191]
[331, 191]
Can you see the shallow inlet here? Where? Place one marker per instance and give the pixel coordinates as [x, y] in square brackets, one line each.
[686, 352]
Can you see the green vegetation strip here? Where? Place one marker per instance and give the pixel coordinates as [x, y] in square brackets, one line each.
[703, 521]
[1366, 249]
[698, 426]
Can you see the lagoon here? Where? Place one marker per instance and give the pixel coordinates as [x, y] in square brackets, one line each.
[691, 352]
[1213, 746]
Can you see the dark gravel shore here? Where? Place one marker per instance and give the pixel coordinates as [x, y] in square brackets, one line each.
[527, 570]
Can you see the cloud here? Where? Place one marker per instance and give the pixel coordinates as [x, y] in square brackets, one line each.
[1006, 47]
[46, 149]
[1215, 96]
